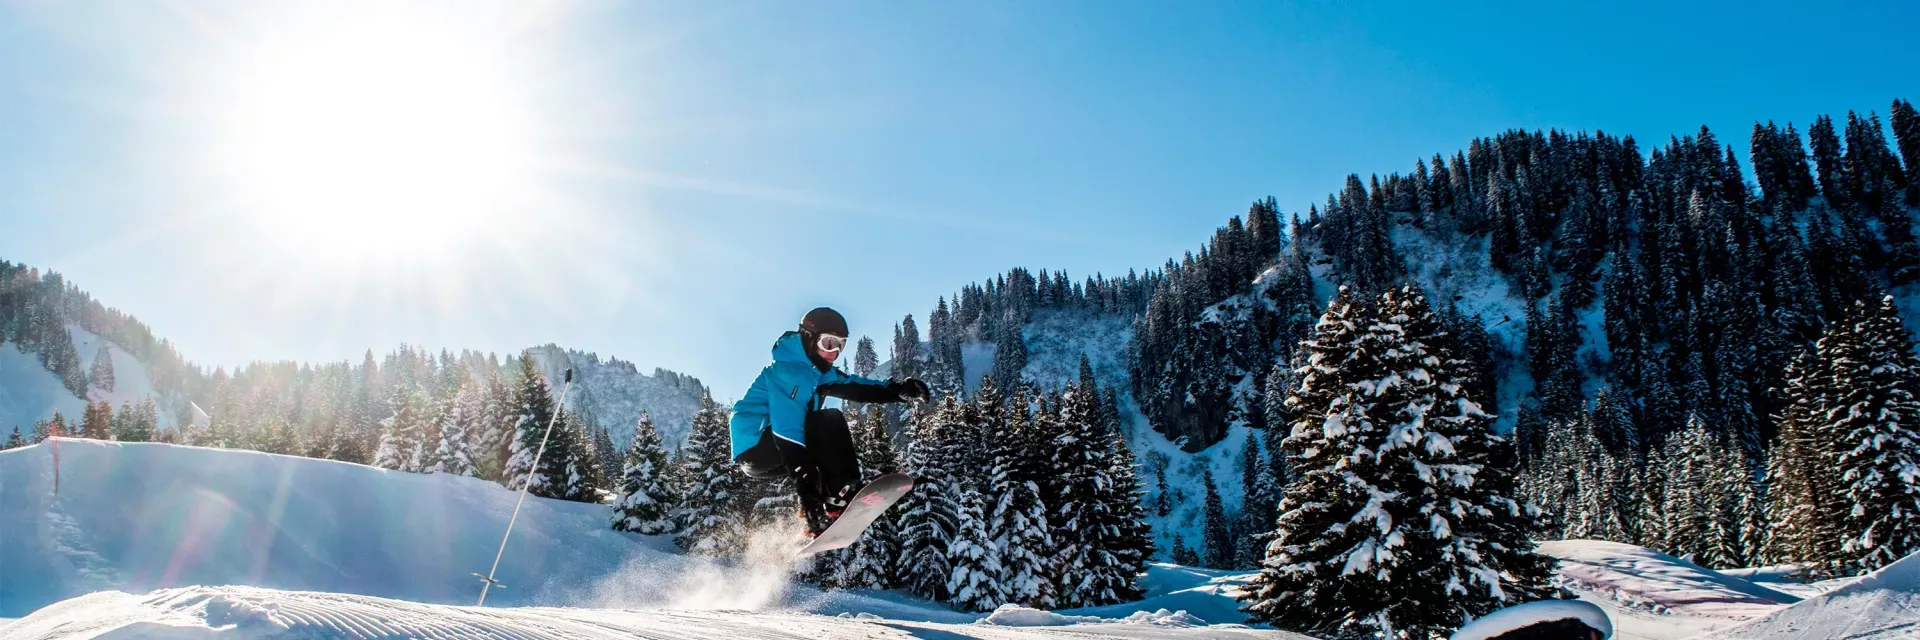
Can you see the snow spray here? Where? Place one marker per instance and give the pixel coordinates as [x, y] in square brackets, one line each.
[760, 578]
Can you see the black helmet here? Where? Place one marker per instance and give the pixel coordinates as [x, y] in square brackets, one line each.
[823, 320]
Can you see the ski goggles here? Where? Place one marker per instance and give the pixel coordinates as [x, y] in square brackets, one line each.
[830, 342]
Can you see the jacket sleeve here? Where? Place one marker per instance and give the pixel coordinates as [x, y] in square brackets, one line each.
[845, 386]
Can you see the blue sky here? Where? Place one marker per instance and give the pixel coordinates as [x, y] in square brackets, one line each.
[688, 178]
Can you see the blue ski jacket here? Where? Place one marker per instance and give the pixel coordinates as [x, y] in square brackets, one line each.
[788, 389]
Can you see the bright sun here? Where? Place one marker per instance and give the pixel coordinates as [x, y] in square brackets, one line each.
[382, 133]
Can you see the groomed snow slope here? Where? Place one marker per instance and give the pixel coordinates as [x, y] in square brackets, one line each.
[245, 612]
[1884, 604]
[138, 517]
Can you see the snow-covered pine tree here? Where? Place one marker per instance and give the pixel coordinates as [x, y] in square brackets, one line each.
[402, 434]
[453, 454]
[433, 416]
[976, 575]
[1257, 498]
[1019, 518]
[1216, 537]
[1874, 420]
[102, 375]
[1802, 512]
[14, 441]
[534, 412]
[977, 581]
[1183, 554]
[1010, 350]
[647, 500]
[1131, 542]
[865, 360]
[1392, 528]
[499, 430]
[1685, 460]
[929, 517]
[713, 511]
[1098, 567]
[97, 421]
[1162, 494]
[608, 457]
[573, 459]
[943, 363]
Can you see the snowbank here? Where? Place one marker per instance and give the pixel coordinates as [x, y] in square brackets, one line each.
[1884, 604]
[1642, 576]
[1525, 615]
[1653, 595]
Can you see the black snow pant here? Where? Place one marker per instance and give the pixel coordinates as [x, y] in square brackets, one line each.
[824, 470]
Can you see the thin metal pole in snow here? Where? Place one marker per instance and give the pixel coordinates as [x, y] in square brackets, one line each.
[487, 582]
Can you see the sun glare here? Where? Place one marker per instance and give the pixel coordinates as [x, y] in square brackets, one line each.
[381, 133]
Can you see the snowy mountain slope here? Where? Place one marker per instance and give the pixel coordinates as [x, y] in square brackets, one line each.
[1883, 604]
[1457, 272]
[138, 517]
[244, 612]
[130, 381]
[614, 392]
[1055, 340]
[30, 393]
[1654, 595]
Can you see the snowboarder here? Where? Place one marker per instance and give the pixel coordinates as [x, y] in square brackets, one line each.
[779, 427]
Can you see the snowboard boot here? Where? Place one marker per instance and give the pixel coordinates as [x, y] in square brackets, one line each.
[816, 517]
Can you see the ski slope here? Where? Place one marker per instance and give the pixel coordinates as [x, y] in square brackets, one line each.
[246, 612]
[136, 528]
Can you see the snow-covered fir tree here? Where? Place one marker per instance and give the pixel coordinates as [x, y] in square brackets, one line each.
[102, 373]
[1802, 474]
[1216, 537]
[97, 421]
[1130, 541]
[929, 520]
[570, 457]
[609, 458]
[533, 414]
[1009, 352]
[1402, 521]
[647, 499]
[403, 434]
[14, 441]
[1019, 517]
[713, 509]
[453, 453]
[1091, 516]
[1875, 424]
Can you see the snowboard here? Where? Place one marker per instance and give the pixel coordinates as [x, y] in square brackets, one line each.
[866, 506]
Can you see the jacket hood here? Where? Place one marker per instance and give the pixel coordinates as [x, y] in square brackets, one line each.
[790, 348]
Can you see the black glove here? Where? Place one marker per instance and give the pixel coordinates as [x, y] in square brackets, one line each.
[910, 388]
